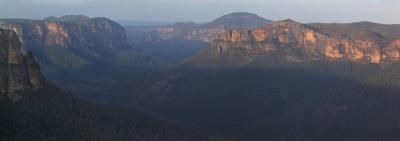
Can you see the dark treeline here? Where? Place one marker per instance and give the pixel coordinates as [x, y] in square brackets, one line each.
[51, 114]
[281, 101]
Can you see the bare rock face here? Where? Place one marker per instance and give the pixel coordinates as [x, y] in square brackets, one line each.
[71, 41]
[392, 51]
[18, 73]
[209, 31]
[291, 41]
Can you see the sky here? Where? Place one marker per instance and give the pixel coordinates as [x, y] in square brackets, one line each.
[307, 11]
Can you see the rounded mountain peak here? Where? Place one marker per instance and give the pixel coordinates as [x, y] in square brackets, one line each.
[238, 20]
[239, 15]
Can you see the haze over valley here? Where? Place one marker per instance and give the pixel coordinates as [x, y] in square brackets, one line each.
[106, 75]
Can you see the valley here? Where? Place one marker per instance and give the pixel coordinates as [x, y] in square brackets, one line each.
[34, 109]
[240, 77]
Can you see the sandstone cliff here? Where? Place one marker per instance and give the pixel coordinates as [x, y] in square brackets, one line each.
[291, 41]
[19, 73]
[69, 42]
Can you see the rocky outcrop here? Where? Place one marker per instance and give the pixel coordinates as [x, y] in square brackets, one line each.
[70, 42]
[291, 41]
[19, 74]
[209, 31]
[392, 51]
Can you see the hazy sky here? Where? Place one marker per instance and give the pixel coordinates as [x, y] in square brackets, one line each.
[383, 11]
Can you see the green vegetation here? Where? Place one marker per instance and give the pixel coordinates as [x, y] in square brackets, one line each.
[62, 58]
[269, 100]
[51, 114]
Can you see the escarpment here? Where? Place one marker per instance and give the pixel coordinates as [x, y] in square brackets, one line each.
[291, 41]
[70, 43]
[19, 74]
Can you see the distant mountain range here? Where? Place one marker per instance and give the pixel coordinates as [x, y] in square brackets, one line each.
[143, 23]
[180, 40]
[209, 31]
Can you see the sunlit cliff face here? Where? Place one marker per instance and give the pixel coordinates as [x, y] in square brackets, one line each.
[60, 35]
[297, 42]
[69, 44]
[392, 51]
